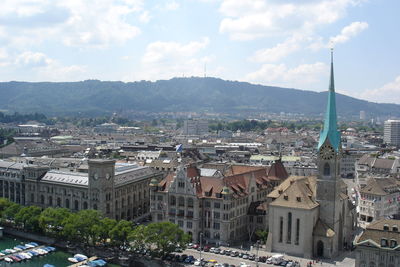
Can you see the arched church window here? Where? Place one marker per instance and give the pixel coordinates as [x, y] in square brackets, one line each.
[327, 169]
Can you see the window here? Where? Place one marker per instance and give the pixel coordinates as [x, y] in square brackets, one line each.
[160, 198]
[289, 228]
[181, 184]
[180, 223]
[217, 205]
[207, 204]
[327, 169]
[41, 199]
[280, 229]
[393, 243]
[76, 204]
[384, 242]
[259, 219]
[67, 203]
[297, 231]
[216, 226]
[190, 214]
[181, 201]
[172, 201]
[216, 215]
[190, 202]
[189, 225]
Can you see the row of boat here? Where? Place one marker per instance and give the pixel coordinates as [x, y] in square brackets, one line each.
[92, 262]
[24, 252]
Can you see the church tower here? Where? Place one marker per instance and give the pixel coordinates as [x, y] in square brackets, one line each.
[328, 180]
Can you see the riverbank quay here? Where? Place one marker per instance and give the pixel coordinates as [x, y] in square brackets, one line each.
[108, 254]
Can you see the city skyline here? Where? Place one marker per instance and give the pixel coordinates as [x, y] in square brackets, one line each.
[277, 43]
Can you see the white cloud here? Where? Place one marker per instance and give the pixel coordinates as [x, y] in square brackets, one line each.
[172, 5]
[277, 52]
[302, 76]
[145, 17]
[159, 52]
[252, 19]
[40, 67]
[349, 31]
[32, 59]
[388, 93]
[84, 23]
[164, 60]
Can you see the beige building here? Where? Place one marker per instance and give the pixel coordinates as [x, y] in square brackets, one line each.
[380, 198]
[224, 209]
[379, 245]
[313, 216]
[118, 191]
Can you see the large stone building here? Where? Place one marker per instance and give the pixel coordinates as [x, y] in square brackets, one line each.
[195, 127]
[224, 208]
[313, 216]
[379, 245]
[380, 198]
[118, 191]
[391, 133]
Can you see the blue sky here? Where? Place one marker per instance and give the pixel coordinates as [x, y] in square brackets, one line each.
[271, 42]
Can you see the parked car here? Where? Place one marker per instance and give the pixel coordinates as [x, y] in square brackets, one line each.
[245, 256]
[217, 250]
[252, 257]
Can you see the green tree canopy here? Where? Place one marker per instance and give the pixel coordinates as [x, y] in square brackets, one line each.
[119, 233]
[52, 221]
[28, 217]
[161, 237]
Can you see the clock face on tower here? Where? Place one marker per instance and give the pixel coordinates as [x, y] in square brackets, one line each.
[326, 152]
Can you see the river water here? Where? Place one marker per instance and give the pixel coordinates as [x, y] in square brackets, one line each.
[57, 258]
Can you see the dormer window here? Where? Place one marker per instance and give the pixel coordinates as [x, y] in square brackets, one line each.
[286, 197]
[395, 228]
[393, 243]
[298, 199]
[385, 227]
[384, 242]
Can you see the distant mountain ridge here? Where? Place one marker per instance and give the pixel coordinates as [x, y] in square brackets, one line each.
[93, 97]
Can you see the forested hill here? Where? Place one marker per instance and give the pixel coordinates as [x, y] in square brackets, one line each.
[95, 97]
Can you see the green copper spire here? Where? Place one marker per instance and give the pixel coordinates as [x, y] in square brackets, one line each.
[330, 130]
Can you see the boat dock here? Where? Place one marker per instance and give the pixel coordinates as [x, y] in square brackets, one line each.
[83, 262]
[25, 250]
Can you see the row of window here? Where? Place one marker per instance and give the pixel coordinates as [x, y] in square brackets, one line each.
[289, 229]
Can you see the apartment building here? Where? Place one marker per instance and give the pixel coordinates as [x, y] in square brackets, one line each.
[380, 198]
[218, 208]
[379, 245]
[391, 134]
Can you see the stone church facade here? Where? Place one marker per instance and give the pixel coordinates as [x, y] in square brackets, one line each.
[313, 216]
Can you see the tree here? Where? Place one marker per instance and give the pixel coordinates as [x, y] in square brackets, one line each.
[4, 204]
[28, 217]
[52, 221]
[10, 212]
[262, 235]
[103, 229]
[120, 232]
[161, 237]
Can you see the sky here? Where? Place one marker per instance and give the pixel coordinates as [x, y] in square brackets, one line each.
[271, 42]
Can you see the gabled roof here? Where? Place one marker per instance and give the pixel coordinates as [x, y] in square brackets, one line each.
[375, 232]
[381, 186]
[295, 192]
